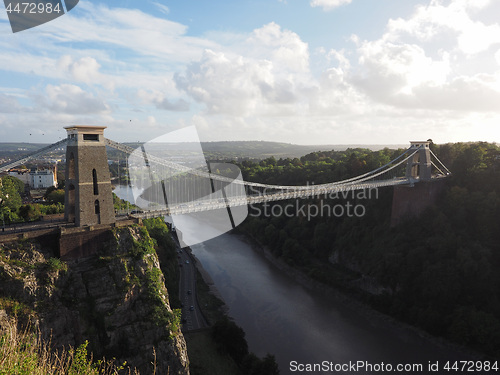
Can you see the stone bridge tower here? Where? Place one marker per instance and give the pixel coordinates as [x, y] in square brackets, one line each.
[88, 199]
[419, 166]
[413, 199]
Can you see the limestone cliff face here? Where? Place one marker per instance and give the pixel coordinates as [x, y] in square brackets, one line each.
[116, 300]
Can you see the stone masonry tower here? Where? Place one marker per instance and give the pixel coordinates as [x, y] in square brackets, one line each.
[419, 166]
[88, 198]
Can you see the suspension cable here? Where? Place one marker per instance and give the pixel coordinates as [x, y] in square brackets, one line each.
[33, 155]
[435, 166]
[444, 166]
[181, 168]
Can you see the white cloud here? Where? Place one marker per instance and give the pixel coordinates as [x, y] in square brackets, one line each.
[130, 29]
[329, 4]
[85, 69]
[265, 77]
[163, 8]
[160, 101]
[71, 99]
[389, 69]
[497, 57]
[226, 84]
[283, 47]
[336, 96]
[478, 37]
[467, 94]
[427, 62]
[9, 104]
[454, 22]
[438, 68]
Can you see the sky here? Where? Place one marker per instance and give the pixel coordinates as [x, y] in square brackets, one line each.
[294, 71]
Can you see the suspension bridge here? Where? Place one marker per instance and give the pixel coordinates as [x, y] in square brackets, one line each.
[169, 187]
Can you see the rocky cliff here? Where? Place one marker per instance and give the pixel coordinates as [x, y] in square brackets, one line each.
[116, 300]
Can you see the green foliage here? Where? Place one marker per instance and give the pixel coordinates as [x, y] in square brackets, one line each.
[316, 167]
[16, 183]
[30, 212]
[25, 354]
[10, 198]
[12, 210]
[154, 285]
[205, 359]
[50, 209]
[438, 271]
[230, 338]
[176, 321]
[122, 204]
[155, 290]
[56, 196]
[33, 212]
[166, 251]
[158, 230]
[55, 264]
[143, 247]
[80, 364]
[252, 365]
[17, 309]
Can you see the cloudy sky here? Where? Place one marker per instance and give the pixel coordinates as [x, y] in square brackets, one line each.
[299, 71]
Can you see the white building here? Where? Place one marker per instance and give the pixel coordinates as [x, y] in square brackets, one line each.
[42, 179]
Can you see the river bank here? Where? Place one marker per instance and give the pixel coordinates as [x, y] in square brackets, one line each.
[210, 300]
[378, 318]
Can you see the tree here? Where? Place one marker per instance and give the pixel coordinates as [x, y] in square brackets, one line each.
[9, 194]
[17, 183]
[30, 212]
[56, 196]
[230, 338]
[253, 365]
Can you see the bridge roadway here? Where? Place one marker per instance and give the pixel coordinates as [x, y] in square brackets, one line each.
[311, 191]
[207, 205]
[31, 226]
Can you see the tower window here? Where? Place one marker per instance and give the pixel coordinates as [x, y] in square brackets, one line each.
[94, 179]
[97, 208]
[91, 137]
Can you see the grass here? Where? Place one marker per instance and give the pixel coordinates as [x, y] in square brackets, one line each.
[55, 264]
[23, 353]
[16, 309]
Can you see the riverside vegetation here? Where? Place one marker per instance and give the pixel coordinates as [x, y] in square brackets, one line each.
[436, 272]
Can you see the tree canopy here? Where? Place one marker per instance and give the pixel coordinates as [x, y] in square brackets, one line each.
[437, 271]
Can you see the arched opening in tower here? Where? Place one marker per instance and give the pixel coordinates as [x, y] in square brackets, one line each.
[71, 203]
[97, 210]
[94, 179]
[71, 167]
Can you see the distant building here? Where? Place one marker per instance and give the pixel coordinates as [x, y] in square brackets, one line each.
[42, 179]
[21, 174]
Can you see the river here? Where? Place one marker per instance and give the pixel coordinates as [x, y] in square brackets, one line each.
[282, 317]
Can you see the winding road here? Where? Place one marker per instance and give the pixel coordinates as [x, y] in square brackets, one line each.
[192, 317]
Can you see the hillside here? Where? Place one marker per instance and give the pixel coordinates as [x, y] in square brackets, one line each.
[117, 301]
[214, 150]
